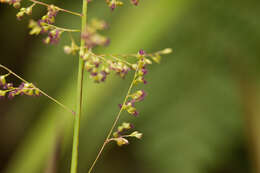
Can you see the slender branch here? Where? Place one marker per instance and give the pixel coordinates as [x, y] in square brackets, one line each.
[112, 56]
[42, 92]
[122, 60]
[114, 124]
[75, 152]
[62, 29]
[58, 8]
[119, 55]
[132, 54]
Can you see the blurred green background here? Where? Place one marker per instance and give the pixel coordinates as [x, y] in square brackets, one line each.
[202, 110]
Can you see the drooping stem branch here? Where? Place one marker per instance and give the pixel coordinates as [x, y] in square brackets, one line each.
[74, 160]
[114, 123]
[58, 8]
[42, 92]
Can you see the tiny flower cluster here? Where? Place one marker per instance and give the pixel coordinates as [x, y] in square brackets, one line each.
[119, 67]
[100, 67]
[114, 3]
[40, 27]
[52, 12]
[93, 64]
[7, 89]
[14, 3]
[137, 96]
[44, 26]
[122, 129]
[23, 11]
[120, 137]
[129, 106]
[91, 36]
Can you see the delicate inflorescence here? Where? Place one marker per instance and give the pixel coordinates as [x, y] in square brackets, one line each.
[98, 66]
[45, 24]
[120, 136]
[8, 89]
[114, 3]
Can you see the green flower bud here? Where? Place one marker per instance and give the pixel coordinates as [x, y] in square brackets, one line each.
[17, 5]
[105, 69]
[47, 40]
[89, 66]
[37, 92]
[2, 80]
[19, 15]
[28, 10]
[131, 110]
[166, 51]
[126, 126]
[121, 141]
[115, 134]
[28, 92]
[28, 85]
[119, 3]
[35, 28]
[147, 61]
[157, 58]
[44, 17]
[67, 50]
[136, 134]
[134, 66]
[120, 128]
[2, 93]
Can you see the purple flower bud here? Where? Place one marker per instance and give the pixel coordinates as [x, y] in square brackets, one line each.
[21, 86]
[113, 6]
[135, 2]
[53, 37]
[145, 71]
[145, 82]
[132, 126]
[9, 85]
[104, 74]
[11, 95]
[141, 52]
[93, 73]
[136, 113]
[107, 42]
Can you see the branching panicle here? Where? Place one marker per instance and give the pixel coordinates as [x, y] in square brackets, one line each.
[99, 66]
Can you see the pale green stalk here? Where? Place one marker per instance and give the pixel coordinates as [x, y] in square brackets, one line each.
[74, 160]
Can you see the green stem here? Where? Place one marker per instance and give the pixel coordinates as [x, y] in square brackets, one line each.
[74, 160]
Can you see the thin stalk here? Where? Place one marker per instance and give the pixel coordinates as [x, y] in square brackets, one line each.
[114, 124]
[58, 8]
[118, 59]
[74, 160]
[62, 29]
[42, 92]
